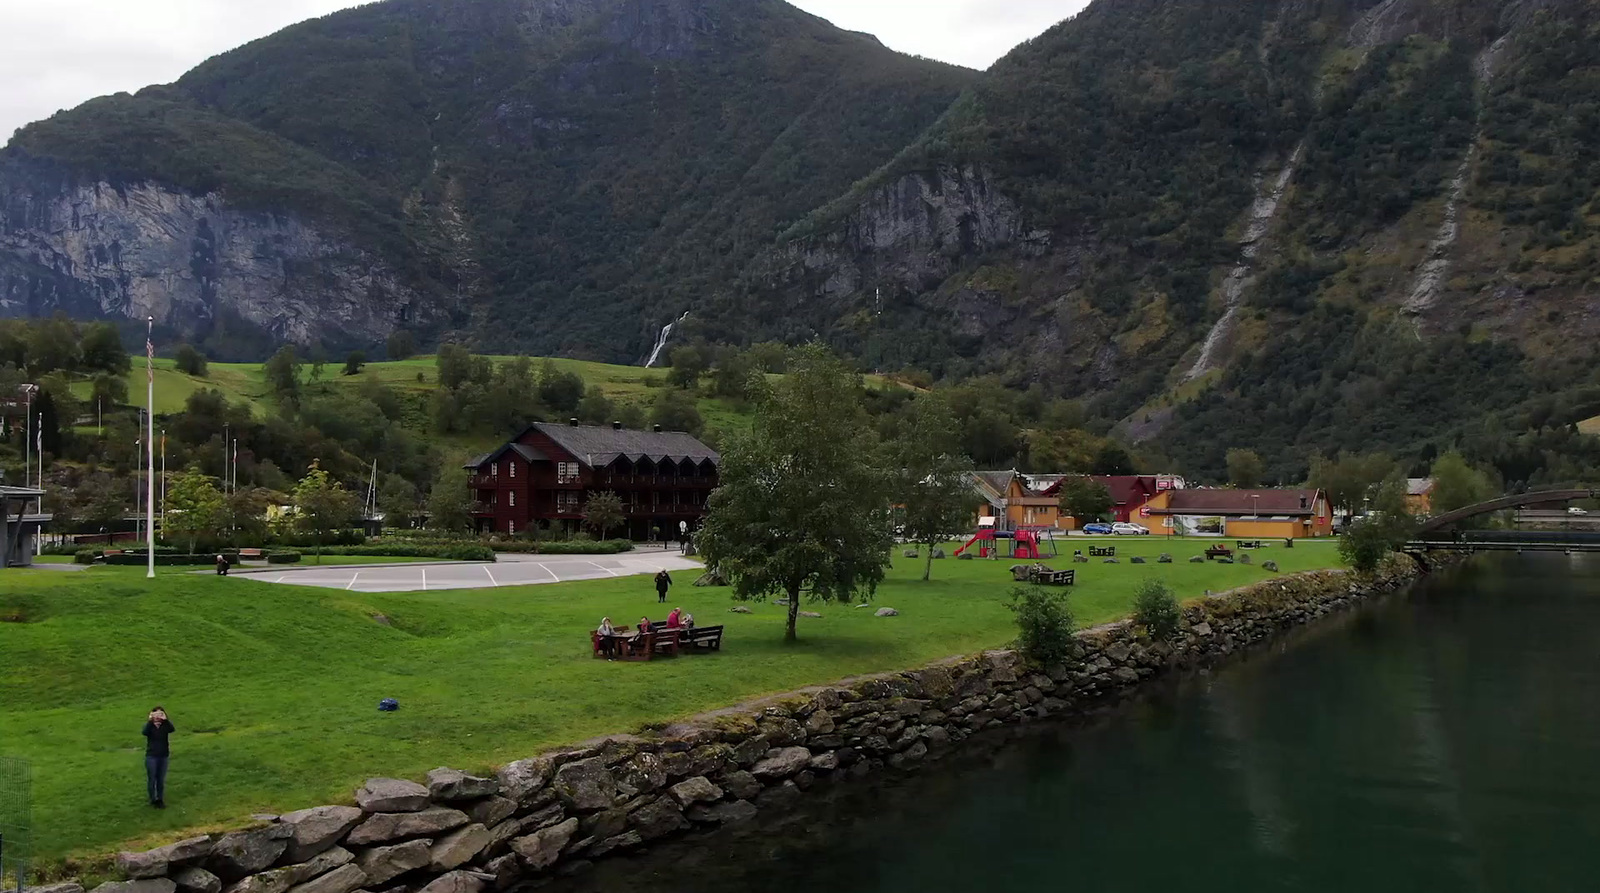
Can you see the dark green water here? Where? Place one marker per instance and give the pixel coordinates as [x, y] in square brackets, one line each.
[1447, 739]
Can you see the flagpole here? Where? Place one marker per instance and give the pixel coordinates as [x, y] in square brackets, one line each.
[150, 447]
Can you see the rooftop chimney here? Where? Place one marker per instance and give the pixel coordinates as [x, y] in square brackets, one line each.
[616, 426]
[1303, 501]
[573, 422]
[656, 428]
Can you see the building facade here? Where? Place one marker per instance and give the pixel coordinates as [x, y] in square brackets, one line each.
[545, 475]
[1244, 514]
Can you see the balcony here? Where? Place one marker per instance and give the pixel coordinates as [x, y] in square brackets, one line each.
[654, 481]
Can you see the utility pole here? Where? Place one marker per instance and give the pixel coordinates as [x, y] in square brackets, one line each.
[150, 446]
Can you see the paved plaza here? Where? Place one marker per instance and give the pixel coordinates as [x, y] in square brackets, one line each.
[510, 570]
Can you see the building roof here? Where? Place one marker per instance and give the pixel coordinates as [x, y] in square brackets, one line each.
[598, 447]
[1125, 489]
[1419, 486]
[995, 486]
[529, 453]
[1242, 502]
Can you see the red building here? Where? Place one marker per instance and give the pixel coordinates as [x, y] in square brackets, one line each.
[546, 474]
[1129, 492]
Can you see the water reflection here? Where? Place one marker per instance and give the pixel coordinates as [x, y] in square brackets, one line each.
[1444, 740]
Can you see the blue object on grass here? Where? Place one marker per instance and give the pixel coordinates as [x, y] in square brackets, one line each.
[388, 705]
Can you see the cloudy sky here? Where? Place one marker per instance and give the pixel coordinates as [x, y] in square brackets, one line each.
[55, 54]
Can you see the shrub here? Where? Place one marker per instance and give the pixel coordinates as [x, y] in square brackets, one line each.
[162, 558]
[447, 551]
[283, 557]
[1044, 624]
[571, 547]
[1156, 609]
[1366, 543]
[85, 556]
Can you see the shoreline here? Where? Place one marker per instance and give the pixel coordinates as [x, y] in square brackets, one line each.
[560, 811]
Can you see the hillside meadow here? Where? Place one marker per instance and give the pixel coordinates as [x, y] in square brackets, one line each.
[274, 689]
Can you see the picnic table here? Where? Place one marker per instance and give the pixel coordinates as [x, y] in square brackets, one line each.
[1043, 575]
[1219, 551]
[658, 641]
[1102, 551]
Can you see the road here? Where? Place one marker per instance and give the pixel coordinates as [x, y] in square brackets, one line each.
[510, 570]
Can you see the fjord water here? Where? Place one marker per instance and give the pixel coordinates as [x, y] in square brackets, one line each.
[1444, 739]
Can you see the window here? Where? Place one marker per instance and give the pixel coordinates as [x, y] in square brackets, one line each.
[511, 528]
[494, 471]
[513, 496]
[512, 467]
[566, 502]
[566, 472]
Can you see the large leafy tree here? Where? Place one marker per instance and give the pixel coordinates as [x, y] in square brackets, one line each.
[1245, 468]
[450, 502]
[322, 505]
[1085, 499]
[1351, 480]
[194, 506]
[1456, 484]
[803, 504]
[931, 475]
[603, 512]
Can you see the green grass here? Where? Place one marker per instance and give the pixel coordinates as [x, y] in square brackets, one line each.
[274, 688]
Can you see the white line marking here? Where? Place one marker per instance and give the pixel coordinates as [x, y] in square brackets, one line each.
[606, 569]
[553, 575]
[356, 576]
[491, 575]
[279, 580]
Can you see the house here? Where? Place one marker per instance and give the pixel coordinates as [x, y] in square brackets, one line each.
[1245, 514]
[547, 473]
[1419, 496]
[1007, 497]
[1129, 493]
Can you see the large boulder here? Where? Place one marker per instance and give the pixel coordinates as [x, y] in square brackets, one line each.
[64, 887]
[317, 829]
[783, 763]
[149, 885]
[458, 847]
[391, 795]
[658, 818]
[383, 863]
[244, 853]
[523, 780]
[319, 865]
[453, 785]
[154, 863]
[741, 784]
[586, 784]
[696, 790]
[886, 612]
[644, 774]
[276, 881]
[492, 811]
[194, 879]
[457, 882]
[387, 826]
[343, 879]
[541, 849]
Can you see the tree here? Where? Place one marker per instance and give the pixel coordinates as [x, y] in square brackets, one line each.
[688, 364]
[1085, 499]
[397, 499]
[108, 390]
[1112, 459]
[402, 345]
[602, 512]
[102, 349]
[319, 361]
[597, 408]
[1044, 624]
[102, 502]
[354, 362]
[1245, 468]
[931, 475]
[49, 422]
[561, 391]
[190, 361]
[450, 502]
[322, 505]
[194, 506]
[1351, 480]
[283, 374]
[1386, 527]
[803, 504]
[675, 411]
[1456, 484]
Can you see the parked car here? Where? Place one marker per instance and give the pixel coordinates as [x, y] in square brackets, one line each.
[1097, 528]
[1575, 510]
[1123, 528]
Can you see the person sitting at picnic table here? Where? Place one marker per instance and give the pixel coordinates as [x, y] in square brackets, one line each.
[687, 620]
[608, 638]
[675, 619]
[637, 638]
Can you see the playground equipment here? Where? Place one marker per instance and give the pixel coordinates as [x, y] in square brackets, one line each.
[1025, 543]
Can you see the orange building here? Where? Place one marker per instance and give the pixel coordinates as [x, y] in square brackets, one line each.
[1419, 496]
[1243, 514]
[1006, 497]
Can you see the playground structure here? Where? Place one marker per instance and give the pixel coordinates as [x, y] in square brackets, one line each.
[1026, 543]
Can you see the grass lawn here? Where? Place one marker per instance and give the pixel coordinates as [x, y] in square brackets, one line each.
[274, 689]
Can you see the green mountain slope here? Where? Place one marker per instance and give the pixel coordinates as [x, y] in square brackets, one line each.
[1297, 226]
[558, 175]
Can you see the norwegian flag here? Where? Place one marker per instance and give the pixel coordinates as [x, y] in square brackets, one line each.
[149, 360]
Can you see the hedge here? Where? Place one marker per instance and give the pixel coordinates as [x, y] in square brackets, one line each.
[162, 558]
[86, 556]
[570, 547]
[283, 557]
[446, 552]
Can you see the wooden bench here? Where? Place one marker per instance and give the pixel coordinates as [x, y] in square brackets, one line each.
[1218, 552]
[1102, 551]
[1043, 575]
[703, 638]
[252, 554]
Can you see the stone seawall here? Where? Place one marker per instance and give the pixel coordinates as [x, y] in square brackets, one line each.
[559, 812]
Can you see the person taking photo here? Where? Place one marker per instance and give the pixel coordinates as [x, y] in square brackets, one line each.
[157, 728]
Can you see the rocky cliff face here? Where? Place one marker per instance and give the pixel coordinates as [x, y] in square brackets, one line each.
[191, 262]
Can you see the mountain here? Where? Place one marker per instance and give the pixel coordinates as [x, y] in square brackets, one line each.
[547, 176]
[1300, 225]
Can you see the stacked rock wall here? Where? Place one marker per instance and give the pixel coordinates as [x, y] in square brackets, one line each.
[560, 811]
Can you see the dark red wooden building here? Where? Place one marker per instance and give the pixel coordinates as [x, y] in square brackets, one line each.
[546, 474]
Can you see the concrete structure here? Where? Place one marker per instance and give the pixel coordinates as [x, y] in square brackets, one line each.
[547, 473]
[23, 525]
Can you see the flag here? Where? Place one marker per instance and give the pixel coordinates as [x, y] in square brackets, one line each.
[149, 360]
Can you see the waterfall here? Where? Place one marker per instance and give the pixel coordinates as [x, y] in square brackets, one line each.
[661, 342]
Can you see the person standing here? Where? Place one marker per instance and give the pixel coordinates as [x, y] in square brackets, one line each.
[663, 583]
[156, 730]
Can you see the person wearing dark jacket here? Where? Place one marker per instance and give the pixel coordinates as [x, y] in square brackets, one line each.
[156, 730]
[663, 583]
